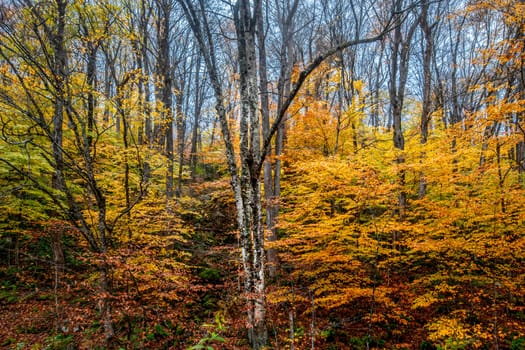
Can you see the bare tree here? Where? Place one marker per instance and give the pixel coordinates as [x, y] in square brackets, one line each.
[429, 19]
[198, 100]
[164, 87]
[399, 63]
[286, 11]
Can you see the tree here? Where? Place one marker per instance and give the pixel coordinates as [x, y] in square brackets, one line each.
[272, 172]
[198, 103]
[140, 42]
[164, 87]
[55, 95]
[253, 147]
[428, 31]
[399, 63]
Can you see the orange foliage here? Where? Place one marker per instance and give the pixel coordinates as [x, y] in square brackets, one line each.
[449, 274]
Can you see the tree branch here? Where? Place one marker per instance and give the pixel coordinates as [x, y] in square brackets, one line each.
[306, 73]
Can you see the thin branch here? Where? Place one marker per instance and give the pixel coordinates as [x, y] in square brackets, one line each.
[306, 73]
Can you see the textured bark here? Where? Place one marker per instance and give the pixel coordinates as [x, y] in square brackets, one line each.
[398, 79]
[60, 72]
[164, 89]
[196, 119]
[427, 87]
[252, 236]
[272, 172]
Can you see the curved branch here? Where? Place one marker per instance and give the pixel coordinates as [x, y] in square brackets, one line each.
[306, 73]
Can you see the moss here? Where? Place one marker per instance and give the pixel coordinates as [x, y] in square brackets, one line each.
[210, 275]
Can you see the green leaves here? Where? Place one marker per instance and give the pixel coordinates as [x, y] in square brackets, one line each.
[205, 342]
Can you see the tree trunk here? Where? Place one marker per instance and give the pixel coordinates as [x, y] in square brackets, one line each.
[58, 180]
[181, 135]
[196, 118]
[252, 232]
[398, 78]
[164, 80]
[60, 72]
[140, 46]
[427, 85]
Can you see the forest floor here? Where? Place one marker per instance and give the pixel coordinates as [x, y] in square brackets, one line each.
[157, 304]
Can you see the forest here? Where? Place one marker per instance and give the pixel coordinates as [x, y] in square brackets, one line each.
[262, 174]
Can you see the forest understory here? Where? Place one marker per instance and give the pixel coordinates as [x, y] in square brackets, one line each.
[347, 278]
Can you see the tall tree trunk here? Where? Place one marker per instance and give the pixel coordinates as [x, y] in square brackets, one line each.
[58, 181]
[246, 184]
[165, 84]
[125, 137]
[398, 78]
[427, 86]
[146, 66]
[140, 46]
[252, 232]
[196, 119]
[60, 72]
[181, 135]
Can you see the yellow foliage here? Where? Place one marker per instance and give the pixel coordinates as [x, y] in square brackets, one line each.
[424, 300]
[449, 332]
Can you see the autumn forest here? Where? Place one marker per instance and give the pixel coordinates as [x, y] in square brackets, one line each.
[262, 174]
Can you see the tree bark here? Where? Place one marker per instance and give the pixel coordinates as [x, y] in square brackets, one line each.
[165, 84]
[180, 121]
[196, 119]
[252, 236]
[59, 104]
[426, 110]
[398, 78]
